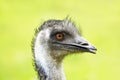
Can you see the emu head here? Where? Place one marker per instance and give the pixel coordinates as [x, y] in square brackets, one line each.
[59, 38]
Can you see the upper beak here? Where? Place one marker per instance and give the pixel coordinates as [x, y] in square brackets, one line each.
[84, 45]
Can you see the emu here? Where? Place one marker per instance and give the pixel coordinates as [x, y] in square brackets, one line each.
[54, 40]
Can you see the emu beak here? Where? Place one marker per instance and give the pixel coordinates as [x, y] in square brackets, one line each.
[78, 44]
[85, 46]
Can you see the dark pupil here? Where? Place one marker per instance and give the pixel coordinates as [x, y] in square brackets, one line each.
[59, 35]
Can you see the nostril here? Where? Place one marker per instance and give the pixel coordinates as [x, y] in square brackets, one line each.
[79, 42]
[84, 44]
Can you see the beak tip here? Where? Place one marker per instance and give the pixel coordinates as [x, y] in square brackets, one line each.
[93, 50]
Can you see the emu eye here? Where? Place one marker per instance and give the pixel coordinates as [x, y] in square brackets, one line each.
[59, 36]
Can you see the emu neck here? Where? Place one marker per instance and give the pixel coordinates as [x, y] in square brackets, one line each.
[48, 67]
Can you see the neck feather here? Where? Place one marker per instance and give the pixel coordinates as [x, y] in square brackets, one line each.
[48, 68]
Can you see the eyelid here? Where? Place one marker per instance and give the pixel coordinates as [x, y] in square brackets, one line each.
[65, 33]
[60, 33]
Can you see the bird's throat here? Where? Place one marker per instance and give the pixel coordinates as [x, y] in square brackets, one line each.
[48, 68]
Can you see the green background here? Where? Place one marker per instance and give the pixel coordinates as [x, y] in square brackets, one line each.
[98, 19]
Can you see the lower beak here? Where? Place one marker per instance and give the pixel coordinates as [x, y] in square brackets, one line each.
[81, 48]
[85, 48]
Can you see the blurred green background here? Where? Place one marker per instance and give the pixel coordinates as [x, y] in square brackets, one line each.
[98, 19]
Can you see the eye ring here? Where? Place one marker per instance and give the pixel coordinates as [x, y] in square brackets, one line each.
[59, 36]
